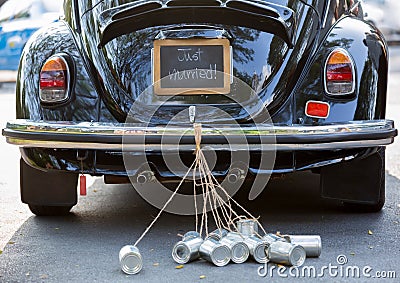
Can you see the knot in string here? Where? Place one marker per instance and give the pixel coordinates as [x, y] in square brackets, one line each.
[197, 135]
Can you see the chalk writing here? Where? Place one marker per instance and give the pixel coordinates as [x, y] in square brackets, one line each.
[195, 74]
[187, 55]
[189, 66]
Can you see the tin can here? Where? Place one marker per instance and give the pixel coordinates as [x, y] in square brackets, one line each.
[130, 259]
[257, 248]
[236, 235]
[311, 243]
[247, 227]
[187, 249]
[239, 250]
[217, 234]
[270, 238]
[286, 253]
[190, 235]
[215, 252]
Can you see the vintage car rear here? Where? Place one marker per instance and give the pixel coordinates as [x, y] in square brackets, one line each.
[278, 86]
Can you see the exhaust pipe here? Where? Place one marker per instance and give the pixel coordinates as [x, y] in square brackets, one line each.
[145, 177]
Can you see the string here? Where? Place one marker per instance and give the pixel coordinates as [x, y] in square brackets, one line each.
[165, 205]
[210, 188]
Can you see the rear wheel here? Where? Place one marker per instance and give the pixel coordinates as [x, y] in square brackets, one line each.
[360, 184]
[43, 210]
[50, 193]
[357, 207]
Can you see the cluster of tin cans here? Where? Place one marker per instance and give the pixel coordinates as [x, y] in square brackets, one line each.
[220, 246]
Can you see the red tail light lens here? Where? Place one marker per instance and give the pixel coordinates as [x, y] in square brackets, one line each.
[317, 109]
[54, 80]
[339, 73]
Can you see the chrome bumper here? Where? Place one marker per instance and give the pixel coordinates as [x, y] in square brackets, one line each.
[109, 136]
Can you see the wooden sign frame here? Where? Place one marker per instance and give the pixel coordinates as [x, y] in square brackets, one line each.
[156, 65]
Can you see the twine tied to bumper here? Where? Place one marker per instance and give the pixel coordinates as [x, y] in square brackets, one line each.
[213, 194]
[197, 136]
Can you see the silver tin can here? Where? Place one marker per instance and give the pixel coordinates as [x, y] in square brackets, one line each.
[215, 252]
[276, 237]
[217, 234]
[270, 238]
[247, 227]
[237, 236]
[257, 248]
[286, 253]
[190, 235]
[311, 243]
[130, 259]
[187, 250]
[239, 250]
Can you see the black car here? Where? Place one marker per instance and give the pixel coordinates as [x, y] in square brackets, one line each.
[278, 86]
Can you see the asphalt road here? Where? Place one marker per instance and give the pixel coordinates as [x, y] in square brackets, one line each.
[84, 247]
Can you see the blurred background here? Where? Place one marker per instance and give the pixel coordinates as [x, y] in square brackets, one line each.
[18, 21]
[384, 14]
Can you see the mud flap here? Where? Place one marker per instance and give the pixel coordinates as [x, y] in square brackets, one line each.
[358, 181]
[52, 188]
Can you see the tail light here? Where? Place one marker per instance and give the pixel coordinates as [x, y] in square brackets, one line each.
[339, 73]
[54, 80]
[317, 109]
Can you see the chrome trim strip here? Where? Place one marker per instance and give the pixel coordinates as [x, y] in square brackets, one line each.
[328, 4]
[231, 58]
[263, 130]
[152, 66]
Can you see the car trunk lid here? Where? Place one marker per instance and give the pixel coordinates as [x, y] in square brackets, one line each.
[263, 39]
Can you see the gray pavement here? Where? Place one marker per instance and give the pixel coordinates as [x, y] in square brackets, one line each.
[12, 212]
[84, 247]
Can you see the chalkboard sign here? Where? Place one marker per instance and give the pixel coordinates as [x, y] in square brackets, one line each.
[191, 66]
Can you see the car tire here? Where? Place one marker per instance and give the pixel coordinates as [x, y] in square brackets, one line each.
[359, 184]
[48, 193]
[43, 210]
